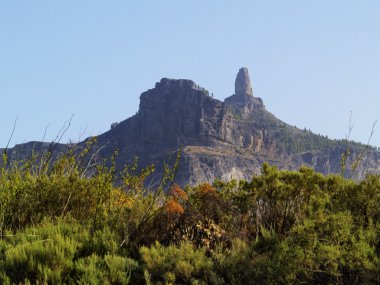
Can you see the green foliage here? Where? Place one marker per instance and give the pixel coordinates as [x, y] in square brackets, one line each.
[179, 265]
[62, 252]
[110, 269]
[234, 265]
[41, 254]
[63, 222]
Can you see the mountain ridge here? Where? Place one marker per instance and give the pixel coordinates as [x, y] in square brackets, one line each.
[220, 139]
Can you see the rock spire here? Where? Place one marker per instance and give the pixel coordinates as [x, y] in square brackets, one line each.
[243, 91]
[243, 83]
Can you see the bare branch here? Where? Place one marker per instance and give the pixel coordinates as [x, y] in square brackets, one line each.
[12, 133]
[346, 148]
[364, 151]
[90, 164]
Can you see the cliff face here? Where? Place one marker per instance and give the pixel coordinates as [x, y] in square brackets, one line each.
[229, 139]
[224, 140]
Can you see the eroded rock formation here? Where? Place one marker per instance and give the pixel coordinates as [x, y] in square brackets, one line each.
[243, 85]
[224, 140]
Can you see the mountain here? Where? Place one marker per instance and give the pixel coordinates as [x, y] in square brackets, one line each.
[224, 140]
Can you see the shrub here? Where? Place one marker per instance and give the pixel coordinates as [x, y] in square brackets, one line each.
[41, 254]
[179, 265]
[110, 269]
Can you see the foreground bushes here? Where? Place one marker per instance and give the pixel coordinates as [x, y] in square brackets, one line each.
[172, 264]
[63, 252]
[66, 223]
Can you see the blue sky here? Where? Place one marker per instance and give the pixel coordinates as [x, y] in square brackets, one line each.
[312, 62]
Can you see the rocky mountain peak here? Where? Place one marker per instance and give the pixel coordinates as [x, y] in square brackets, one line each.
[243, 83]
[243, 92]
[220, 140]
[167, 83]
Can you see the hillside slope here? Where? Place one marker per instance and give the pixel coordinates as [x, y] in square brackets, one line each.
[224, 140]
[229, 139]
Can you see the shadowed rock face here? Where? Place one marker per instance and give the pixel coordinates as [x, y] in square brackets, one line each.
[224, 140]
[229, 139]
[243, 83]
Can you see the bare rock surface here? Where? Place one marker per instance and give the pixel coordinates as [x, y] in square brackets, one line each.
[220, 140]
[243, 83]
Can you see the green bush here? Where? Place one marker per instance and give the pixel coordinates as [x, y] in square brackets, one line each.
[61, 252]
[64, 224]
[41, 254]
[179, 265]
[236, 264]
[110, 269]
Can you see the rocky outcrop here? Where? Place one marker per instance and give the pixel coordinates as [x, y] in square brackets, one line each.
[243, 92]
[243, 85]
[23, 151]
[223, 140]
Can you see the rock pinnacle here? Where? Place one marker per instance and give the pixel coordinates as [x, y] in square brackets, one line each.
[243, 83]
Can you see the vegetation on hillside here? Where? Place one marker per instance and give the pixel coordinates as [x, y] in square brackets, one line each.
[66, 222]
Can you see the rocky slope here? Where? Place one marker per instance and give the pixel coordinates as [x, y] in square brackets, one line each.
[229, 139]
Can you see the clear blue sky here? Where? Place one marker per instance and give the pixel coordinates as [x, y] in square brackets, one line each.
[312, 62]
